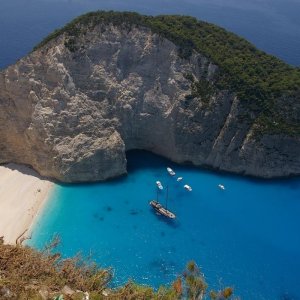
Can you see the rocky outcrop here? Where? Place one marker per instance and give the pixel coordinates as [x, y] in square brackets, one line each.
[72, 115]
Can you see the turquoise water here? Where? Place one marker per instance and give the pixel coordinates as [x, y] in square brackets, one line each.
[246, 236]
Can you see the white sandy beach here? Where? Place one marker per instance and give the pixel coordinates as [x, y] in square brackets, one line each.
[22, 195]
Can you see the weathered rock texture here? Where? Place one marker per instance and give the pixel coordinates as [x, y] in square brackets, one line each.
[72, 115]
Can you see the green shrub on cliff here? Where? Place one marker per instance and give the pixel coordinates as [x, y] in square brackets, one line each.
[28, 274]
[258, 79]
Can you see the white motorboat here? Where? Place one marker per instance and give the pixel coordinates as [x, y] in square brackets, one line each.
[170, 171]
[159, 185]
[187, 187]
[221, 186]
[179, 178]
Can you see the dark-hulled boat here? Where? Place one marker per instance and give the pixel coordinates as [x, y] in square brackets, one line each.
[162, 210]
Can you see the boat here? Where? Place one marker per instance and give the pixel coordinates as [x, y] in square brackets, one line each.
[179, 178]
[159, 185]
[187, 187]
[170, 171]
[162, 210]
[221, 186]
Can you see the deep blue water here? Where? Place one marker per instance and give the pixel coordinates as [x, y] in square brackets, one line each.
[272, 25]
[246, 236]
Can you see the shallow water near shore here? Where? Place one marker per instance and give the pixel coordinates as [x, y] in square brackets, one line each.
[246, 236]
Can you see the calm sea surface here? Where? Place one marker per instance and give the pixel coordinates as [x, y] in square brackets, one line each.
[272, 25]
[246, 235]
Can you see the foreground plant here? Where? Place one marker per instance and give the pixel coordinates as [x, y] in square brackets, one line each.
[29, 274]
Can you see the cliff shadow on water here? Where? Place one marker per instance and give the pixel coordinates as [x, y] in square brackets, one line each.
[141, 159]
[137, 160]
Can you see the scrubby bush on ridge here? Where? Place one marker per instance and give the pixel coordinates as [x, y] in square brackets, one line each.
[262, 82]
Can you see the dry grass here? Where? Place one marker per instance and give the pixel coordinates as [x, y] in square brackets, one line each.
[24, 271]
[29, 274]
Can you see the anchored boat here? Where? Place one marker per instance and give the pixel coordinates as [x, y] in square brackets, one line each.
[187, 187]
[162, 210]
[221, 186]
[159, 185]
[170, 171]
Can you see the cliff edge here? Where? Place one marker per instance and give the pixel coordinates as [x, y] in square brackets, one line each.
[111, 82]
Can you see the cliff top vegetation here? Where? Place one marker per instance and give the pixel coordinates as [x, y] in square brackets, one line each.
[29, 274]
[264, 83]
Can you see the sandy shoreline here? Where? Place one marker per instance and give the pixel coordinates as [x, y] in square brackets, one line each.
[23, 192]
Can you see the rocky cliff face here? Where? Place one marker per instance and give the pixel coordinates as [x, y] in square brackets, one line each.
[72, 115]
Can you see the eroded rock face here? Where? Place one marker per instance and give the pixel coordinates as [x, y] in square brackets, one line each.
[72, 115]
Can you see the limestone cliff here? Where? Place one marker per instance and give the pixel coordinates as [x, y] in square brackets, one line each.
[71, 113]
